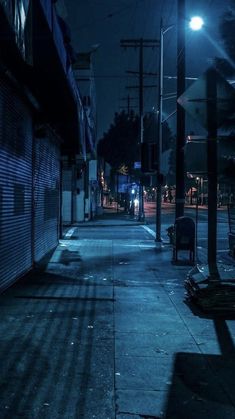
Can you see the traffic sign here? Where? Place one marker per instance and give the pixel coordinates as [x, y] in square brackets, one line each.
[195, 101]
[137, 165]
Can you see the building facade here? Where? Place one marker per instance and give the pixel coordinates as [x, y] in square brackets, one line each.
[40, 120]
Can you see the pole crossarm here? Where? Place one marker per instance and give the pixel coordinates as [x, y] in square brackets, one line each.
[128, 98]
[137, 87]
[137, 42]
[144, 74]
[128, 105]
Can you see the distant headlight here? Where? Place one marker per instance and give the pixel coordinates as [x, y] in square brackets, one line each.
[136, 202]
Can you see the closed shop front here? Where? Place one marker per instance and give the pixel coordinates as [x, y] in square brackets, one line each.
[16, 149]
[29, 188]
[46, 194]
[67, 207]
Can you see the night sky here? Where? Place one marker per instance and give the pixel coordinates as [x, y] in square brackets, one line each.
[106, 22]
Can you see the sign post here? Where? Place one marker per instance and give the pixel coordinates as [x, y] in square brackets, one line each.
[211, 91]
[210, 100]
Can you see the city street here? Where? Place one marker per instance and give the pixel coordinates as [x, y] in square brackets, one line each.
[104, 329]
[117, 118]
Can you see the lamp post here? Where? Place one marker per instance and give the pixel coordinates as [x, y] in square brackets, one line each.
[195, 24]
[180, 113]
[159, 142]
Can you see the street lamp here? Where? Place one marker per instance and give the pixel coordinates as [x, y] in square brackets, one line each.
[195, 23]
[180, 114]
[159, 143]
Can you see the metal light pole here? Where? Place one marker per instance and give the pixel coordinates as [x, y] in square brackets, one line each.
[159, 139]
[159, 142]
[195, 24]
[180, 137]
[141, 216]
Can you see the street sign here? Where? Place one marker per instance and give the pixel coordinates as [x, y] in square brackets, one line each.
[195, 101]
[137, 165]
[196, 155]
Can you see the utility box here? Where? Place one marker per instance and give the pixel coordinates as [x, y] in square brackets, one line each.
[231, 234]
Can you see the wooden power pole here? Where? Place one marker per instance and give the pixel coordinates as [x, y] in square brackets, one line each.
[141, 44]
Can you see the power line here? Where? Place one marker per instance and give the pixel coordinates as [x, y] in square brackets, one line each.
[140, 44]
[108, 16]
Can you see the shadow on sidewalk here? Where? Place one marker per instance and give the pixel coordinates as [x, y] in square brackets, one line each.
[52, 329]
[194, 393]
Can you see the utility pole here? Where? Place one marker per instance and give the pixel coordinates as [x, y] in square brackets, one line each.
[159, 141]
[128, 106]
[180, 137]
[141, 44]
[144, 74]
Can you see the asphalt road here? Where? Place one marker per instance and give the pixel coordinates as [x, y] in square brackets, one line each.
[168, 218]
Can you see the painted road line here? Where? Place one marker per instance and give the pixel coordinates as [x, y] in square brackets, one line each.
[149, 231]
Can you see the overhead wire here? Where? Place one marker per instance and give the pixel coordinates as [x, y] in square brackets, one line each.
[107, 16]
[152, 63]
[119, 85]
[154, 58]
[127, 77]
[151, 56]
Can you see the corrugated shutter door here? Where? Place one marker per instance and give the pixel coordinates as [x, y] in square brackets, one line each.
[46, 196]
[15, 185]
[67, 196]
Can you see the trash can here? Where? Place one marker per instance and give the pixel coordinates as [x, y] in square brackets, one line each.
[184, 237]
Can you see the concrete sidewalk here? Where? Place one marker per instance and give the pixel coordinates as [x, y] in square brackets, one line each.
[103, 330]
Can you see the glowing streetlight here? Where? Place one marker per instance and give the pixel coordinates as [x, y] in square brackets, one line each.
[196, 23]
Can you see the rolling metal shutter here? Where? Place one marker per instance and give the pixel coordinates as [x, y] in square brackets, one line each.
[15, 185]
[46, 196]
[67, 195]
